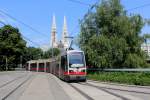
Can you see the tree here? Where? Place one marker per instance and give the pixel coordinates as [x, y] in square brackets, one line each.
[111, 38]
[48, 53]
[12, 46]
[33, 53]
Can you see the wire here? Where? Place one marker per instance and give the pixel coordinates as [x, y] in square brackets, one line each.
[79, 2]
[2, 22]
[91, 8]
[22, 23]
[24, 36]
[31, 41]
[142, 6]
[145, 5]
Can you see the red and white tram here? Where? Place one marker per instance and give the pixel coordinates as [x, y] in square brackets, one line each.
[70, 65]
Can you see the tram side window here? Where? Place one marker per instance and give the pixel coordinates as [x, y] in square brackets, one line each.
[63, 62]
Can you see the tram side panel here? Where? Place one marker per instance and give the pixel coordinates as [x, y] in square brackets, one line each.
[48, 67]
[63, 66]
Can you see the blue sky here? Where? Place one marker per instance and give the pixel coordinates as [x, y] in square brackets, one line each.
[38, 14]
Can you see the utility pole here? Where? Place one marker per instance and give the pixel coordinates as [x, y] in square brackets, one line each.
[6, 63]
[52, 50]
[147, 49]
[20, 61]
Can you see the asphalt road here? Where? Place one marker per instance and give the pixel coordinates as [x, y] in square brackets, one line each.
[21, 85]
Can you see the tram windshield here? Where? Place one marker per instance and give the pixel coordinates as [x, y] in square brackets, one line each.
[76, 59]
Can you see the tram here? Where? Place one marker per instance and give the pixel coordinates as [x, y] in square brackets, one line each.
[71, 66]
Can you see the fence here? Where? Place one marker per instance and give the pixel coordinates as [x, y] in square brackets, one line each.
[121, 70]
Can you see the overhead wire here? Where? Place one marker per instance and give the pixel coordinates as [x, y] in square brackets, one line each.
[79, 2]
[31, 41]
[2, 22]
[142, 6]
[92, 6]
[23, 35]
[8, 15]
[82, 3]
[21, 22]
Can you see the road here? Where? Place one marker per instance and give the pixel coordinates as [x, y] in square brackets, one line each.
[21, 85]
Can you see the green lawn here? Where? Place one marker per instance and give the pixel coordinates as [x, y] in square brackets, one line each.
[134, 78]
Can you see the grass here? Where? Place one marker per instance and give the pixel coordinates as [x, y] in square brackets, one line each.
[132, 78]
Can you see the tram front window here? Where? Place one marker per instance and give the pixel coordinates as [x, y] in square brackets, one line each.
[76, 59]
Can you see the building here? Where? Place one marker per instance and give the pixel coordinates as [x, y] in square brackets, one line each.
[64, 41]
[146, 47]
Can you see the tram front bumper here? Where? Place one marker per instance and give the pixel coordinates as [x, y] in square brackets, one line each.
[75, 77]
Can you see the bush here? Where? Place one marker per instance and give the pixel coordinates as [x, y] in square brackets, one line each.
[134, 78]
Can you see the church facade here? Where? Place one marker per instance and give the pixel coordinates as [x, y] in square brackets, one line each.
[63, 43]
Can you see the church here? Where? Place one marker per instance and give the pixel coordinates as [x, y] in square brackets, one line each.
[63, 43]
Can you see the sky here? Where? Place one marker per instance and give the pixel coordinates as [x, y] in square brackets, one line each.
[38, 15]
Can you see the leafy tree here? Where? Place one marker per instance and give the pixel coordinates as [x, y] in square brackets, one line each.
[111, 38]
[48, 53]
[12, 46]
[33, 53]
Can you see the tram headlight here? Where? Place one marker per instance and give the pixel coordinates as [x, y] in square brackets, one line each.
[71, 71]
[83, 70]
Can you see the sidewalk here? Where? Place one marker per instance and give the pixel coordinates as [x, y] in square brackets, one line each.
[38, 89]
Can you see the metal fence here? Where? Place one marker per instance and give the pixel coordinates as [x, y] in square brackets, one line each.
[121, 70]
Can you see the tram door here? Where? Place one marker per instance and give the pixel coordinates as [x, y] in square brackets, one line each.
[64, 64]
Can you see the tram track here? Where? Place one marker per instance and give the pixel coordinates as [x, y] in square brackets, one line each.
[117, 84]
[124, 90]
[105, 90]
[19, 84]
[9, 82]
[81, 92]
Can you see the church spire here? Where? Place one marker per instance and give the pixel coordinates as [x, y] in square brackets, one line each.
[53, 33]
[65, 33]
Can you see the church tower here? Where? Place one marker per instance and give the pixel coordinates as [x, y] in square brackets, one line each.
[53, 33]
[65, 34]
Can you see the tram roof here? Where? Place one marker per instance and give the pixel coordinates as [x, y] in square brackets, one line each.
[64, 52]
[70, 51]
[40, 61]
